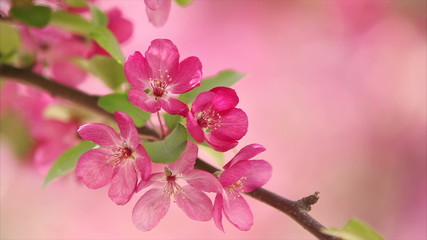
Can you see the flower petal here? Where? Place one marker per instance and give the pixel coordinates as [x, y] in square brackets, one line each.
[162, 55]
[217, 212]
[127, 129]
[143, 101]
[194, 129]
[237, 211]
[188, 77]
[202, 102]
[119, 26]
[259, 173]
[246, 153]
[225, 98]
[233, 126]
[67, 73]
[152, 4]
[235, 173]
[220, 145]
[94, 168]
[174, 106]
[100, 134]
[137, 71]
[150, 209]
[202, 180]
[186, 161]
[143, 162]
[196, 204]
[152, 179]
[124, 183]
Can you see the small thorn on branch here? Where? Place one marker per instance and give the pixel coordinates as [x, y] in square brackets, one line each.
[306, 202]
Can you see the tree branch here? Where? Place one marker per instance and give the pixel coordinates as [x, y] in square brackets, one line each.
[297, 210]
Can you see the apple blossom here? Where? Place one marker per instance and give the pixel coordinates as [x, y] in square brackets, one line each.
[157, 11]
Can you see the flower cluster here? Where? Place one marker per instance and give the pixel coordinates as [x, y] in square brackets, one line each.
[121, 161]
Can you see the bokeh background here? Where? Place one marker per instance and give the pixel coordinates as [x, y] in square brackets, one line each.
[336, 92]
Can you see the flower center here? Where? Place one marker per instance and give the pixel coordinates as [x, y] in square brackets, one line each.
[209, 119]
[236, 188]
[120, 154]
[172, 187]
[160, 83]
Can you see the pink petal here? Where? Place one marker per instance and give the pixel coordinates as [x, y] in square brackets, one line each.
[123, 184]
[194, 129]
[162, 55]
[217, 212]
[202, 180]
[196, 204]
[137, 71]
[246, 153]
[143, 162]
[94, 168]
[233, 125]
[187, 159]
[259, 173]
[174, 106]
[235, 173]
[148, 181]
[119, 26]
[150, 209]
[127, 129]
[152, 4]
[67, 73]
[225, 98]
[100, 134]
[188, 77]
[202, 101]
[158, 15]
[237, 211]
[143, 101]
[218, 144]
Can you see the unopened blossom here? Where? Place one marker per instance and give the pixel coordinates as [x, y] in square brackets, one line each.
[118, 161]
[240, 175]
[180, 180]
[157, 11]
[215, 118]
[159, 76]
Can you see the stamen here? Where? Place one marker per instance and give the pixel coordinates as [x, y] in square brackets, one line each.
[209, 119]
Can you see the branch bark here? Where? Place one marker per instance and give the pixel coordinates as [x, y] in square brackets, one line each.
[297, 210]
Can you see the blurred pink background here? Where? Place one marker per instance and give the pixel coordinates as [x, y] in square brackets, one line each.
[336, 92]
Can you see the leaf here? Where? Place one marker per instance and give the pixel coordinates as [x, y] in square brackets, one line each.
[106, 68]
[17, 134]
[10, 40]
[225, 78]
[98, 17]
[108, 42]
[70, 22]
[33, 15]
[169, 149]
[120, 102]
[184, 2]
[76, 3]
[354, 230]
[172, 120]
[67, 161]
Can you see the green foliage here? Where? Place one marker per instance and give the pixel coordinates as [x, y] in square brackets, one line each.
[98, 16]
[106, 68]
[76, 3]
[32, 15]
[225, 78]
[108, 42]
[120, 102]
[354, 230]
[13, 129]
[169, 149]
[183, 2]
[172, 120]
[70, 22]
[67, 161]
[10, 40]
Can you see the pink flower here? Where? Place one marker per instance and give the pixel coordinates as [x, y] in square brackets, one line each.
[158, 75]
[158, 11]
[117, 162]
[240, 175]
[154, 204]
[214, 118]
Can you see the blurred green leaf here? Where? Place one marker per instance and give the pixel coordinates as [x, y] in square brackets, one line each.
[98, 16]
[108, 42]
[70, 22]
[17, 134]
[32, 15]
[354, 230]
[76, 3]
[172, 120]
[225, 79]
[169, 149]
[106, 68]
[120, 102]
[67, 161]
[184, 2]
[10, 40]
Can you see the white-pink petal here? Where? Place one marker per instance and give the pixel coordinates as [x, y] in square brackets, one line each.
[186, 161]
[237, 210]
[127, 129]
[124, 183]
[158, 14]
[196, 204]
[202, 180]
[100, 134]
[143, 162]
[94, 168]
[246, 153]
[143, 101]
[150, 209]
[217, 212]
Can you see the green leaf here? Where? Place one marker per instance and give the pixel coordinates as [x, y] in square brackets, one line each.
[98, 16]
[184, 2]
[10, 40]
[354, 230]
[108, 42]
[33, 15]
[76, 3]
[172, 120]
[17, 134]
[106, 68]
[120, 102]
[225, 79]
[70, 22]
[67, 161]
[169, 149]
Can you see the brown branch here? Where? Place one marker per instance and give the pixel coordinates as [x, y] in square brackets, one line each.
[297, 210]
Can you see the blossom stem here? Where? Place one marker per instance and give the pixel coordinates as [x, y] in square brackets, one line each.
[297, 210]
[161, 125]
